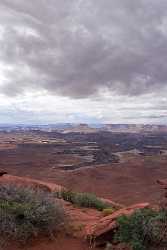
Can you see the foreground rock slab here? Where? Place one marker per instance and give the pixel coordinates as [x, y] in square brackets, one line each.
[108, 224]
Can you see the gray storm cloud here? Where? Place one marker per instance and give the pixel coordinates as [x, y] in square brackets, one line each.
[77, 48]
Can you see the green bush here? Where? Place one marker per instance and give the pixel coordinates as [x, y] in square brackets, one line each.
[156, 229]
[143, 229]
[86, 200]
[25, 212]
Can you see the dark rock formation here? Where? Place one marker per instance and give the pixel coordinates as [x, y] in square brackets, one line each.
[2, 173]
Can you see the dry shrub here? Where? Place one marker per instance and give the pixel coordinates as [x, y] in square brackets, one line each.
[25, 212]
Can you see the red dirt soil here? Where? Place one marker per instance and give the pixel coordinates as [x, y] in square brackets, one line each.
[60, 243]
[82, 223]
[77, 219]
[132, 181]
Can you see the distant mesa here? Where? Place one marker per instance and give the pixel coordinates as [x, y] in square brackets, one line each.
[134, 128]
[117, 128]
[81, 128]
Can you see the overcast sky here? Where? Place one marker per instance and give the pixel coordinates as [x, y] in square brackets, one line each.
[83, 61]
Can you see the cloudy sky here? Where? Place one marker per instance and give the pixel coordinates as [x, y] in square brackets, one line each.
[83, 61]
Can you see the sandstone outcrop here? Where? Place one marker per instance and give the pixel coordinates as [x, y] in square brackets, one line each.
[28, 182]
[109, 223]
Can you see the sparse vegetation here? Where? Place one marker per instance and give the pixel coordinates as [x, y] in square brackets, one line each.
[144, 229]
[87, 200]
[25, 213]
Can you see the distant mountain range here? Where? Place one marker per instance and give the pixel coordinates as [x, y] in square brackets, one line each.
[135, 128]
[86, 128]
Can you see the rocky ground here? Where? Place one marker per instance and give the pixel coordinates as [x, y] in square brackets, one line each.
[85, 228]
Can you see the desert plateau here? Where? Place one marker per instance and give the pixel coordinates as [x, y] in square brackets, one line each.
[83, 125]
[122, 166]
